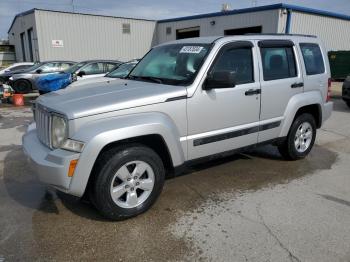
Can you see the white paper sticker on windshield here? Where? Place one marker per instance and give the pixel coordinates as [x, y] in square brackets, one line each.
[191, 49]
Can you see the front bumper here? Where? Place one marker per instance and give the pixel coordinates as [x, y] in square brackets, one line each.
[50, 166]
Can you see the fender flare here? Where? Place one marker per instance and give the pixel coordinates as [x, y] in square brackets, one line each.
[98, 134]
[295, 103]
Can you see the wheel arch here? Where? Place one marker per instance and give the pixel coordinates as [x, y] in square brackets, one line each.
[154, 130]
[308, 102]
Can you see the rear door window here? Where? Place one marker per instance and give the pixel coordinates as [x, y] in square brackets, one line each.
[313, 59]
[278, 63]
[93, 68]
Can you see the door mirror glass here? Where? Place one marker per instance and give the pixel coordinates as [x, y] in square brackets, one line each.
[81, 73]
[220, 79]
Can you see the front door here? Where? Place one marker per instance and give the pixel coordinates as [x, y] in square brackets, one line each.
[222, 119]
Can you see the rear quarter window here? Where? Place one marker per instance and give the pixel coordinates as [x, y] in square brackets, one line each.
[313, 58]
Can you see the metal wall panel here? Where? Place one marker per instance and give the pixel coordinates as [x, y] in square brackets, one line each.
[334, 32]
[269, 20]
[21, 25]
[92, 37]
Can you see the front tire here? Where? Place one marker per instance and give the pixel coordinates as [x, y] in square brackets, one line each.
[300, 139]
[22, 86]
[127, 181]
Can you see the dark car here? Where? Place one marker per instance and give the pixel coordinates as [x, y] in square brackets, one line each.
[24, 81]
[346, 91]
[6, 73]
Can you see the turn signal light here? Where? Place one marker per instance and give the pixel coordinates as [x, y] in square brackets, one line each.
[72, 166]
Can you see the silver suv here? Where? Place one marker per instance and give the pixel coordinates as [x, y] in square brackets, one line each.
[184, 101]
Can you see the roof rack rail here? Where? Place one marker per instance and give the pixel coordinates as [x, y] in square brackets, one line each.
[272, 34]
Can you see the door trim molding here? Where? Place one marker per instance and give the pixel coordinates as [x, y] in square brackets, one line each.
[236, 133]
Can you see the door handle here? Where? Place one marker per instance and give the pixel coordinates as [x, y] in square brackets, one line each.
[252, 92]
[296, 85]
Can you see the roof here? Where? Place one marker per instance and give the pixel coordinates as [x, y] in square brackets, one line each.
[216, 14]
[261, 8]
[66, 12]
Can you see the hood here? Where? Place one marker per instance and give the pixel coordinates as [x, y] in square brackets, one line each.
[93, 81]
[107, 97]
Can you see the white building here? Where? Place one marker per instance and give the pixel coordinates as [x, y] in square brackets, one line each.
[47, 35]
[40, 35]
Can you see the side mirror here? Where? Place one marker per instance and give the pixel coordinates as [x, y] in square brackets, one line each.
[39, 71]
[220, 79]
[81, 73]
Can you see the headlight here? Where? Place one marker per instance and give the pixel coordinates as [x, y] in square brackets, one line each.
[11, 78]
[59, 131]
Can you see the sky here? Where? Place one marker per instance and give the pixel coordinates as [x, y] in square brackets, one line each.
[150, 9]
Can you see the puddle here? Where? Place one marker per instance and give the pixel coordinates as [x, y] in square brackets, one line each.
[55, 228]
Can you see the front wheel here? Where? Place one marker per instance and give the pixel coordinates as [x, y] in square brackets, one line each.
[300, 139]
[127, 181]
[22, 86]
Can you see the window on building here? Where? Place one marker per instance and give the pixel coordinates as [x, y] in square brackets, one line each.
[126, 28]
[23, 47]
[168, 30]
[244, 30]
[188, 32]
[30, 43]
[238, 60]
[278, 63]
[312, 58]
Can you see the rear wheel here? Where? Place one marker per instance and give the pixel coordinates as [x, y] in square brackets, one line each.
[22, 86]
[300, 139]
[127, 181]
[348, 103]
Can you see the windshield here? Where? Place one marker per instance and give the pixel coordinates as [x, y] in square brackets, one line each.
[122, 71]
[75, 68]
[173, 64]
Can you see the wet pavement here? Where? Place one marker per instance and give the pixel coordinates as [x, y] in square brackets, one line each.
[247, 207]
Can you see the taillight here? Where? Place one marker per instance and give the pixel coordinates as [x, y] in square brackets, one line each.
[329, 90]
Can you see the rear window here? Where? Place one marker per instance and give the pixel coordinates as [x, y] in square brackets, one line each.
[313, 59]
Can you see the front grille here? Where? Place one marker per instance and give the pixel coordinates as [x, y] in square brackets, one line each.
[43, 124]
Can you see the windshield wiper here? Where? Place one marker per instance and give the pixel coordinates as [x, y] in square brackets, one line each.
[147, 78]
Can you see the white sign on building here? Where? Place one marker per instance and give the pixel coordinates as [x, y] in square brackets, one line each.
[57, 43]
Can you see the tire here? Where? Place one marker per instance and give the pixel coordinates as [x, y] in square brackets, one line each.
[112, 172]
[298, 145]
[348, 103]
[22, 86]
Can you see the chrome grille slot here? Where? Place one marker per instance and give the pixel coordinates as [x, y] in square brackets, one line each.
[42, 118]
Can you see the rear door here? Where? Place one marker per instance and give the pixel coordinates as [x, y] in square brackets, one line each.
[281, 79]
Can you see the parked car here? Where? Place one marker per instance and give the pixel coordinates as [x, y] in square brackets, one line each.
[184, 102]
[346, 91]
[119, 73]
[7, 72]
[25, 81]
[80, 71]
[92, 68]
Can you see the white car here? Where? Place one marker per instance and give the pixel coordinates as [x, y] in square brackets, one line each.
[16, 66]
[119, 73]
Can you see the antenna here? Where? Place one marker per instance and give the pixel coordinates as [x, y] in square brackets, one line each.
[72, 3]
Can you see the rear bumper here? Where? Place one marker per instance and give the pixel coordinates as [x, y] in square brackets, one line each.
[327, 111]
[50, 166]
